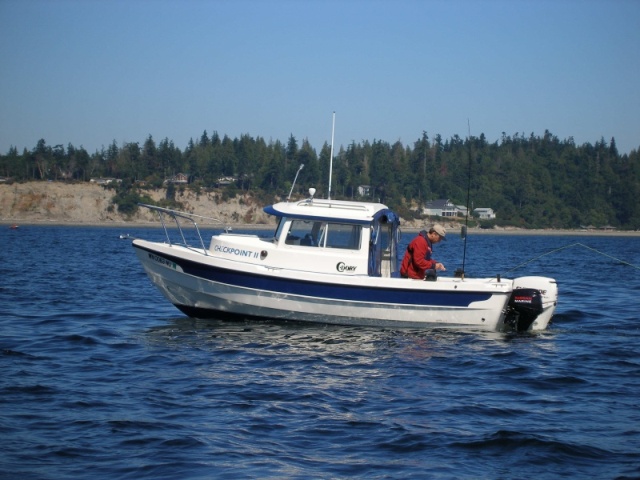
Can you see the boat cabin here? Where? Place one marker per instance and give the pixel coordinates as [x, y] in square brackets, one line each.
[349, 237]
[321, 236]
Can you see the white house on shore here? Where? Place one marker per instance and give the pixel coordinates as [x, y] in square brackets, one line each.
[443, 207]
[485, 213]
[178, 179]
[364, 190]
[105, 181]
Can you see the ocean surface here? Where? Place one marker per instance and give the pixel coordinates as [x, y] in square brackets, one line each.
[102, 378]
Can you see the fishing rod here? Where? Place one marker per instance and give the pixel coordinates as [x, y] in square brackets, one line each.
[577, 244]
[463, 232]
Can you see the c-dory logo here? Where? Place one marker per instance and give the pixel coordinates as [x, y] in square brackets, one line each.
[343, 267]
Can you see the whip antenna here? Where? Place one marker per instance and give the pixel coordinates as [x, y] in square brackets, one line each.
[294, 181]
[333, 129]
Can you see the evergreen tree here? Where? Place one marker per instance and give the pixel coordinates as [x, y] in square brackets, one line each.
[529, 180]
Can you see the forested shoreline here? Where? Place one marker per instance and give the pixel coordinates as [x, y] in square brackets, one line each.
[529, 181]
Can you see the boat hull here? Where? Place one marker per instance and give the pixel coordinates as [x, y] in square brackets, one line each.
[205, 286]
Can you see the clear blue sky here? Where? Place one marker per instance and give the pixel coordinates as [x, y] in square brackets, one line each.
[91, 72]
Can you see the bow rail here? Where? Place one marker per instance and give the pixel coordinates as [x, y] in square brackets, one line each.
[177, 216]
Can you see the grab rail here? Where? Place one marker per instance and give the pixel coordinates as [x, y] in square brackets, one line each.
[175, 214]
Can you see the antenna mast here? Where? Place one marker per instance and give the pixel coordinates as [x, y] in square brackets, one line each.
[294, 181]
[333, 129]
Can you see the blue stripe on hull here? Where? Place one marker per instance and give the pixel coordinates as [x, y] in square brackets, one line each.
[326, 290]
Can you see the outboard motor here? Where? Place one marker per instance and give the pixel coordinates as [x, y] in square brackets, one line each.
[524, 307]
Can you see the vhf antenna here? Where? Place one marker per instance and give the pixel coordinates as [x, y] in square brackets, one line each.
[333, 129]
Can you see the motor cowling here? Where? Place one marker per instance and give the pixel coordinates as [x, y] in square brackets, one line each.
[525, 304]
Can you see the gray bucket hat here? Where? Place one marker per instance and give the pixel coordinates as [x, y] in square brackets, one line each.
[439, 229]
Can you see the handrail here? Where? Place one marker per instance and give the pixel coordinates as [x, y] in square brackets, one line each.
[332, 204]
[175, 214]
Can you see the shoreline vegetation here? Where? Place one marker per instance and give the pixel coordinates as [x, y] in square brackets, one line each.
[530, 181]
[90, 205]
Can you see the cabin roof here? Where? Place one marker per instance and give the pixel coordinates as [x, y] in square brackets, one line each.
[360, 212]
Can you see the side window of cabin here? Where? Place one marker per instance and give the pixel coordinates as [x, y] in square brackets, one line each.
[345, 236]
[303, 232]
[322, 234]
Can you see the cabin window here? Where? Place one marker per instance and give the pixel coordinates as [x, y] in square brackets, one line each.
[340, 235]
[304, 232]
[281, 223]
[323, 234]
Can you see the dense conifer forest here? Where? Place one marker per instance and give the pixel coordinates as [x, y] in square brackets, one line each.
[529, 181]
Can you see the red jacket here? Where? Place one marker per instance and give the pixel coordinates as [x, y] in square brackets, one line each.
[417, 258]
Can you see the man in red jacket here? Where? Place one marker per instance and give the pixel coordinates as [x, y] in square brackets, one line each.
[417, 259]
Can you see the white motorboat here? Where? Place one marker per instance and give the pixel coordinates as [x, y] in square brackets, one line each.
[333, 262]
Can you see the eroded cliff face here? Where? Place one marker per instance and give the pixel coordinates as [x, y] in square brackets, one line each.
[91, 204]
[87, 203]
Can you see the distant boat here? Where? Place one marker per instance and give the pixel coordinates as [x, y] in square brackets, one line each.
[14, 227]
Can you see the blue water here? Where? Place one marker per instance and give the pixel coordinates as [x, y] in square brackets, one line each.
[102, 378]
